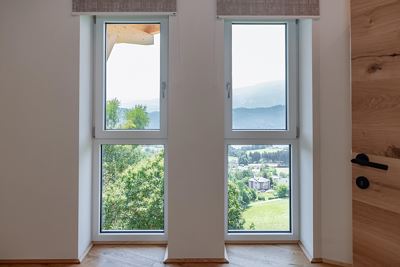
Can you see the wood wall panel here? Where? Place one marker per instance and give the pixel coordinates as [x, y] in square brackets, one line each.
[375, 227]
[376, 215]
[376, 76]
[375, 29]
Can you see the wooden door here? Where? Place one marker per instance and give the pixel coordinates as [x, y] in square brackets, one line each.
[376, 131]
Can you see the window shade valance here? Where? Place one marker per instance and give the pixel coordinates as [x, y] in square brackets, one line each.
[292, 8]
[128, 6]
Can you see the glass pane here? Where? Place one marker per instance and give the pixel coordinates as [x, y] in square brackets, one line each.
[259, 77]
[259, 188]
[132, 77]
[132, 192]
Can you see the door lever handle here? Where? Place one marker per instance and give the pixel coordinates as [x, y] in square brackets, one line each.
[363, 160]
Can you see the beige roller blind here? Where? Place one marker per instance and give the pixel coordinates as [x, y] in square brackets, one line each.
[129, 6]
[284, 8]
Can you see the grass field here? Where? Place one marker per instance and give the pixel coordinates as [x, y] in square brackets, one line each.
[272, 215]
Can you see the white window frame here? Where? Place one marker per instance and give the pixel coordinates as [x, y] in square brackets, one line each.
[291, 90]
[127, 137]
[266, 137]
[100, 76]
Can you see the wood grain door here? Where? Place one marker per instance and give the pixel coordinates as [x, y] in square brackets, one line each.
[376, 131]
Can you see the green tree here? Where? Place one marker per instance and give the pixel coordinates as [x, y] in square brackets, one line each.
[135, 200]
[282, 191]
[235, 210]
[133, 179]
[112, 108]
[243, 159]
[116, 159]
[136, 118]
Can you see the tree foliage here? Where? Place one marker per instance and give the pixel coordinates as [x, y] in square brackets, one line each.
[135, 200]
[282, 190]
[235, 210]
[112, 108]
[136, 118]
[132, 179]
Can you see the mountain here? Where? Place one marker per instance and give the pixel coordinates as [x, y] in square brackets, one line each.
[259, 118]
[260, 96]
[261, 106]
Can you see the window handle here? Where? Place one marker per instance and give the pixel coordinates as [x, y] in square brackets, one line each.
[163, 89]
[229, 89]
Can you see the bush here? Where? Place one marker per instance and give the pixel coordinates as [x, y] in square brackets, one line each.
[261, 198]
[282, 191]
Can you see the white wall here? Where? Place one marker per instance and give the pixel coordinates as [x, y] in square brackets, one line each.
[85, 132]
[39, 99]
[308, 140]
[335, 130]
[196, 134]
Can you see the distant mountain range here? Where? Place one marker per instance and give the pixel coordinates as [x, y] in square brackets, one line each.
[273, 118]
[260, 96]
[256, 107]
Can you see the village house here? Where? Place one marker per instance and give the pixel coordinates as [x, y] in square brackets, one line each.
[260, 183]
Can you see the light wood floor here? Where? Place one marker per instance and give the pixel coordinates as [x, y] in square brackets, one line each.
[152, 256]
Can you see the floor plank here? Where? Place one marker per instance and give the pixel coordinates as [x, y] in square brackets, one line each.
[152, 256]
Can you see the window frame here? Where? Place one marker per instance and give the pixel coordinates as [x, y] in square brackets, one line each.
[291, 88]
[100, 79]
[129, 235]
[266, 137]
[244, 235]
[126, 137]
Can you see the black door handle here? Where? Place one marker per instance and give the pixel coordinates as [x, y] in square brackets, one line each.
[363, 160]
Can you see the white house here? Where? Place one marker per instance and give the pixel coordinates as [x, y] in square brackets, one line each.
[260, 183]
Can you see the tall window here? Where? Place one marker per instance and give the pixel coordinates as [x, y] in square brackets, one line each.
[260, 129]
[130, 128]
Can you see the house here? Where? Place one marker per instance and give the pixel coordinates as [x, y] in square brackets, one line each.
[260, 183]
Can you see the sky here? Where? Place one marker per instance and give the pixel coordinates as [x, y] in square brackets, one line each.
[133, 71]
[133, 74]
[258, 54]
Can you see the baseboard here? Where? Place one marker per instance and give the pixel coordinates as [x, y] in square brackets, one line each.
[41, 261]
[49, 261]
[322, 260]
[337, 263]
[308, 255]
[263, 242]
[168, 260]
[84, 254]
[142, 243]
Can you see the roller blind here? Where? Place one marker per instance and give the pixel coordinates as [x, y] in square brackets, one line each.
[129, 6]
[284, 8]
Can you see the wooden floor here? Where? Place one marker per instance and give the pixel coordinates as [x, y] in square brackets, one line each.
[152, 256]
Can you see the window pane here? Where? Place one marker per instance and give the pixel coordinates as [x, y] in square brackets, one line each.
[132, 77]
[132, 194]
[259, 188]
[259, 77]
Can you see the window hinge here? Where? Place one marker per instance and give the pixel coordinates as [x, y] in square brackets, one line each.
[93, 132]
[95, 19]
[297, 132]
[163, 89]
